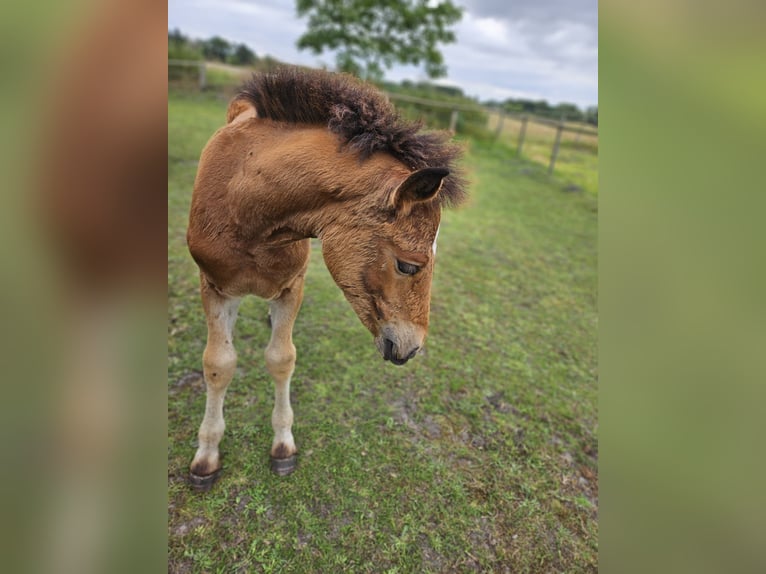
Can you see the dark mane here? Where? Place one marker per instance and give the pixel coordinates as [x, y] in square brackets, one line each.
[357, 112]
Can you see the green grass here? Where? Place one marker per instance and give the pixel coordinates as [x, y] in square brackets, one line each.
[576, 164]
[577, 160]
[479, 455]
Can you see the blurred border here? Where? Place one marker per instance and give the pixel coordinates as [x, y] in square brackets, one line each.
[682, 313]
[82, 110]
[83, 212]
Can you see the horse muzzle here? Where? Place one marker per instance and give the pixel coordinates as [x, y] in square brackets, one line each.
[391, 353]
[399, 345]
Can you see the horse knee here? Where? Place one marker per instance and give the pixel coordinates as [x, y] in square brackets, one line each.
[280, 360]
[219, 365]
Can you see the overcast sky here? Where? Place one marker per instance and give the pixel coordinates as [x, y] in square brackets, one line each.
[538, 49]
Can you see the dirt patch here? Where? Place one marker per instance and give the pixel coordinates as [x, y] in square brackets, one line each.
[184, 566]
[437, 430]
[404, 409]
[433, 561]
[483, 542]
[428, 429]
[497, 400]
[184, 528]
[303, 539]
[192, 380]
[431, 427]
[579, 480]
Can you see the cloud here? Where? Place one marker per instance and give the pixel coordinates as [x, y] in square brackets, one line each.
[550, 49]
[490, 35]
[541, 49]
[538, 11]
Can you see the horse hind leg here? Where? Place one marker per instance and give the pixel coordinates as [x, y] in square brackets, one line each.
[280, 362]
[219, 363]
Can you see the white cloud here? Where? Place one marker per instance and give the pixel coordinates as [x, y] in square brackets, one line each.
[541, 49]
[491, 35]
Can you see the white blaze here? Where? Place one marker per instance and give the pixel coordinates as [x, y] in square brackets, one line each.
[435, 238]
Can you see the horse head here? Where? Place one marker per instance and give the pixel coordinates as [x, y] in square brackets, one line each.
[382, 258]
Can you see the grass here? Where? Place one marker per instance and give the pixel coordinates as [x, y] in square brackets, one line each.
[479, 455]
[577, 161]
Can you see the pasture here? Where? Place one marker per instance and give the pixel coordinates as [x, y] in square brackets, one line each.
[478, 455]
[577, 161]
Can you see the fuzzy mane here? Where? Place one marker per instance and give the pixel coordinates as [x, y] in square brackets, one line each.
[359, 114]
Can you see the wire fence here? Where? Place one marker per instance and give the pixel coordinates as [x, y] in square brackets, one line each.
[568, 149]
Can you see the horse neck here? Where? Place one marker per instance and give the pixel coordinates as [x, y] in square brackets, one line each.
[321, 185]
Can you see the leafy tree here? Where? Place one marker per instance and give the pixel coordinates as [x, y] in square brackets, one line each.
[591, 115]
[543, 109]
[175, 36]
[370, 35]
[242, 56]
[216, 48]
[268, 63]
[567, 111]
[449, 90]
[181, 48]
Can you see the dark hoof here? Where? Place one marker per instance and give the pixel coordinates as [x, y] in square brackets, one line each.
[284, 466]
[203, 483]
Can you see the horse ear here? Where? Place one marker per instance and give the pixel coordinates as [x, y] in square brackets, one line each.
[420, 185]
[237, 108]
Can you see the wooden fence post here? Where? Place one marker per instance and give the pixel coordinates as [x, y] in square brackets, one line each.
[555, 152]
[499, 124]
[453, 121]
[522, 132]
[202, 75]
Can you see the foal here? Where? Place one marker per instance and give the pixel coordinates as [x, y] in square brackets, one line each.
[313, 154]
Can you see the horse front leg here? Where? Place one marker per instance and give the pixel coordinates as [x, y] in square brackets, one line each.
[280, 362]
[219, 363]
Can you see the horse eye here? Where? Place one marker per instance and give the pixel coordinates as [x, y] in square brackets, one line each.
[407, 268]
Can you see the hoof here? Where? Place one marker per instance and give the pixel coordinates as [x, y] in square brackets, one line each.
[203, 483]
[284, 466]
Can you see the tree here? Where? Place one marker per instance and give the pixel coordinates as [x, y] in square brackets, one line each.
[181, 48]
[243, 56]
[567, 111]
[591, 115]
[216, 48]
[370, 35]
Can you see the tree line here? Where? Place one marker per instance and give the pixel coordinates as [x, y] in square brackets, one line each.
[563, 111]
[181, 47]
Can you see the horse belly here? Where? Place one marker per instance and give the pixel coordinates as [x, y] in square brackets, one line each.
[272, 269]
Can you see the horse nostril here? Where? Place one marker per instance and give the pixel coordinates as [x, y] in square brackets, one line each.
[388, 349]
[390, 352]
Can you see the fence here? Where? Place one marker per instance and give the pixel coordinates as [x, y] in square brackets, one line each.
[176, 74]
[501, 115]
[514, 129]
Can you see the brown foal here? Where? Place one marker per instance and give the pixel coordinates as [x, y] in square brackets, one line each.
[313, 154]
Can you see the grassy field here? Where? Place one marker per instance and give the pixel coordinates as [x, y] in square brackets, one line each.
[480, 455]
[577, 161]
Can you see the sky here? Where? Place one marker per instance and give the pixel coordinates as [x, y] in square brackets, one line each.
[535, 49]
